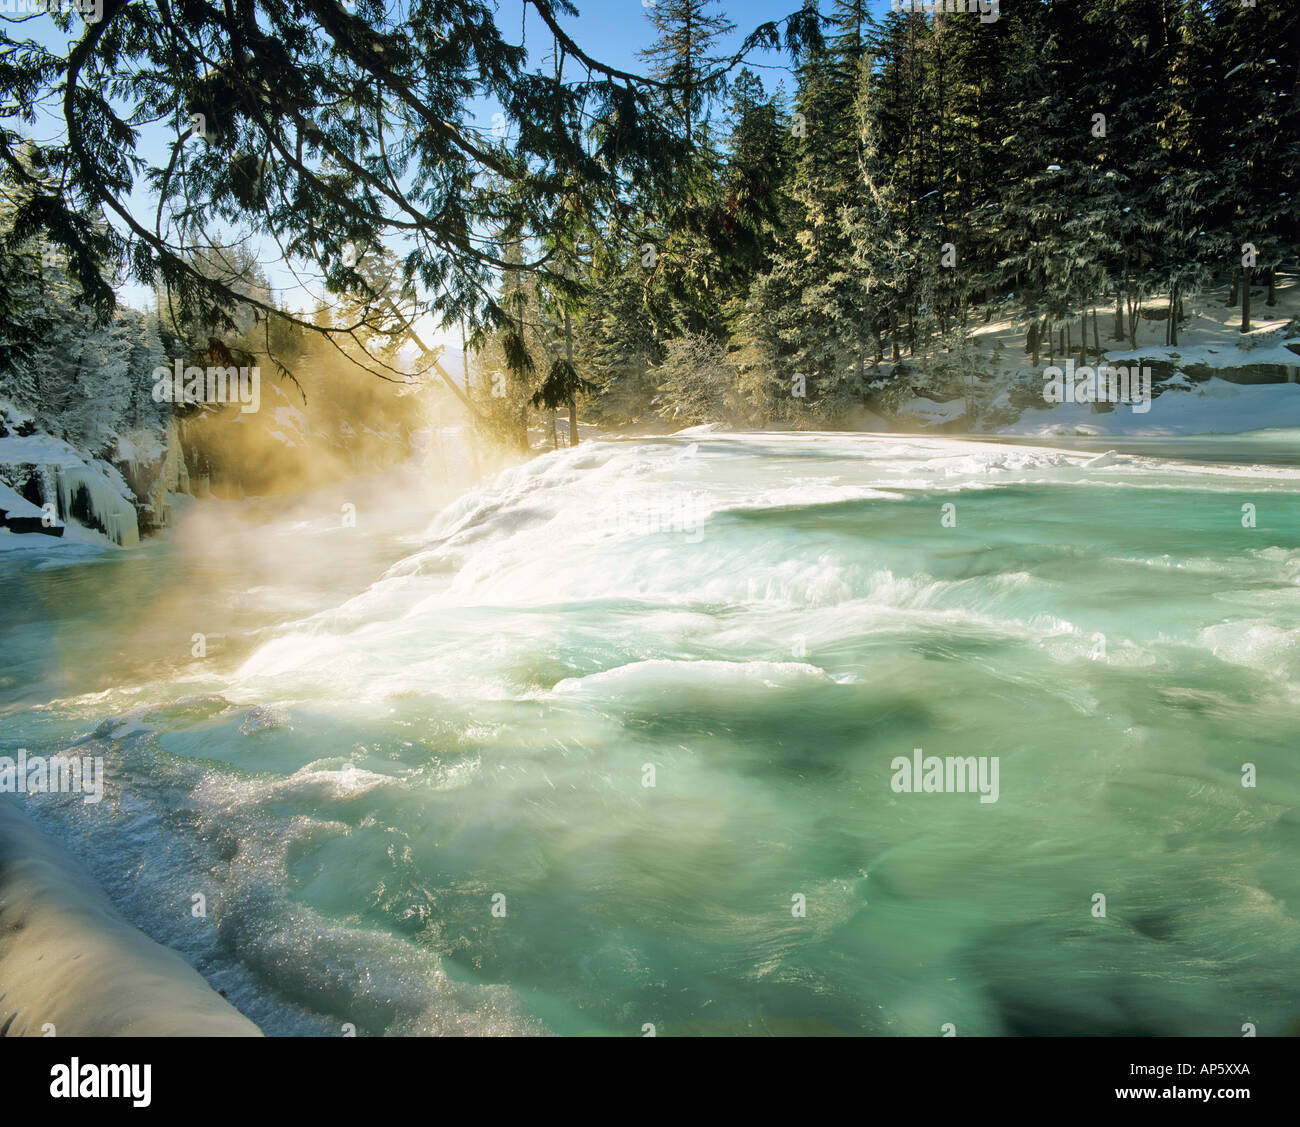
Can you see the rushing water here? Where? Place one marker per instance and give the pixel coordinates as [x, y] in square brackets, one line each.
[398, 721]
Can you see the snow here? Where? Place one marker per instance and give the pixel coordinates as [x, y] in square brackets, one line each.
[67, 472]
[1266, 352]
[16, 506]
[928, 412]
[112, 979]
[1200, 397]
[75, 542]
[1213, 407]
[142, 447]
[294, 427]
[1109, 458]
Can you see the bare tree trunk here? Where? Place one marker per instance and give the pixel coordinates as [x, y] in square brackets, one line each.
[1272, 286]
[1096, 337]
[1245, 299]
[1118, 333]
[1173, 311]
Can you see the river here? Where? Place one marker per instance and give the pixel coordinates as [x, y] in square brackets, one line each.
[607, 744]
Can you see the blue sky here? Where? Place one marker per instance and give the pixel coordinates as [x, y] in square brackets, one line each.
[612, 31]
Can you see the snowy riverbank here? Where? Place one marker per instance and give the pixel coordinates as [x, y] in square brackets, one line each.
[1214, 407]
[71, 966]
[87, 490]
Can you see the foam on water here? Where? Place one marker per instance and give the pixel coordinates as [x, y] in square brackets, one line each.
[761, 623]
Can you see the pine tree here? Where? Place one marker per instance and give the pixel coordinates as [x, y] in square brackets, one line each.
[1245, 139]
[683, 57]
[820, 302]
[326, 128]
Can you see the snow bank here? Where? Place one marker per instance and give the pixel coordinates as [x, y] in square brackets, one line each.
[1234, 382]
[66, 474]
[930, 412]
[1213, 407]
[1270, 350]
[67, 959]
[16, 506]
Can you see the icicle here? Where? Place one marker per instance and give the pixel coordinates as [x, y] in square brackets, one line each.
[113, 513]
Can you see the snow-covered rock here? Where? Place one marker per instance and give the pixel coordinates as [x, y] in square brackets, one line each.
[929, 412]
[20, 516]
[1213, 407]
[87, 490]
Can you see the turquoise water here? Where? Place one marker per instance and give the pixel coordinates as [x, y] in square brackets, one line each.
[396, 723]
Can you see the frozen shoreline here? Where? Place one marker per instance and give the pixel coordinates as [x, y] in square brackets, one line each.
[68, 960]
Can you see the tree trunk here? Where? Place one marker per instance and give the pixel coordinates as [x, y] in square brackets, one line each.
[1173, 310]
[550, 425]
[573, 400]
[1096, 337]
[1118, 334]
[1245, 299]
[464, 358]
[1083, 337]
[1031, 342]
[521, 434]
